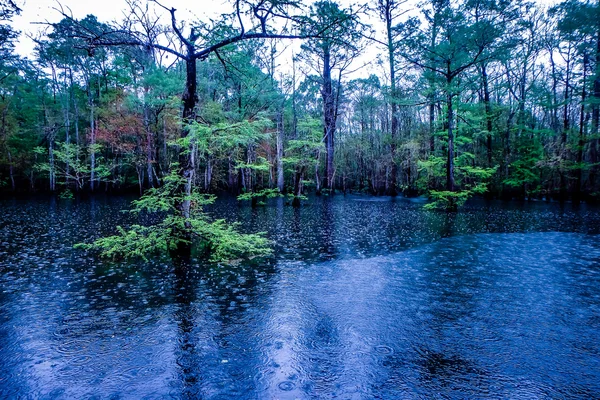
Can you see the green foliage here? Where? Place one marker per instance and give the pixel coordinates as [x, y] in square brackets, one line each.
[138, 241]
[259, 165]
[221, 240]
[520, 77]
[225, 243]
[300, 153]
[446, 200]
[524, 172]
[261, 194]
[431, 172]
[473, 180]
[223, 136]
[69, 165]
[291, 197]
[66, 195]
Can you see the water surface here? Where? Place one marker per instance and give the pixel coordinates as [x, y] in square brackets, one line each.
[365, 298]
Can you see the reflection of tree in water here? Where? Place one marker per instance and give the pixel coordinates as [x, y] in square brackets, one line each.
[213, 325]
[323, 362]
[328, 238]
[449, 370]
[187, 358]
[452, 283]
[447, 227]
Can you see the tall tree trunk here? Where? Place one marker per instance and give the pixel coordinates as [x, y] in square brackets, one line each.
[488, 112]
[208, 174]
[329, 115]
[317, 177]
[393, 190]
[563, 185]
[580, 143]
[554, 113]
[595, 108]
[92, 147]
[67, 125]
[149, 140]
[298, 186]
[52, 172]
[432, 126]
[566, 122]
[450, 161]
[233, 176]
[11, 171]
[280, 133]
[186, 156]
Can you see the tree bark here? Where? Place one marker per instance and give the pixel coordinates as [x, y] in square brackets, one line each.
[67, 124]
[393, 190]
[11, 171]
[149, 140]
[329, 118]
[595, 109]
[280, 133]
[186, 156]
[298, 186]
[488, 112]
[92, 149]
[580, 143]
[566, 121]
[450, 161]
[52, 173]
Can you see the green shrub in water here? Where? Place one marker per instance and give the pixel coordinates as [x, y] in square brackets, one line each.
[221, 240]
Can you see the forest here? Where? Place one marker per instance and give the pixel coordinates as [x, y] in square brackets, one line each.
[471, 97]
[300, 199]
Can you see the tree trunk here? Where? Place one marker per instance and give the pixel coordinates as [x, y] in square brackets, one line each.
[208, 174]
[76, 117]
[140, 174]
[329, 118]
[393, 190]
[450, 162]
[317, 178]
[488, 112]
[186, 156]
[67, 125]
[579, 171]
[554, 113]
[297, 186]
[280, 133]
[52, 172]
[566, 122]
[92, 147]
[149, 140]
[595, 108]
[11, 171]
[432, 126]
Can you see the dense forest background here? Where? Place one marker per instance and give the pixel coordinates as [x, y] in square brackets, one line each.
[500, 98]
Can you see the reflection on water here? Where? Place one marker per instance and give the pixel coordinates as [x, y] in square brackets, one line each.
[366, 298]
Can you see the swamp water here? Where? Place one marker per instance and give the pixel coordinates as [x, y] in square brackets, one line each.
[364, 298]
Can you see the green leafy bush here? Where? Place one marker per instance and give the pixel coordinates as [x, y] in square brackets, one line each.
[220, 240]
[447, 200]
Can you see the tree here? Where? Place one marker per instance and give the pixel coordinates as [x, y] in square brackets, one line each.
[461, 42]
[578, 27]
[8, 9]
[463, 88]
[332, 54]
[203, 40]
[389, 11]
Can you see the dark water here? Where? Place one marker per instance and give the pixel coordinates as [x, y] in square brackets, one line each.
[366, 298]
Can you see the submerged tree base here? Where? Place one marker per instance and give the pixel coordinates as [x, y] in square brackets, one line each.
[176, 234]
[447, 200]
